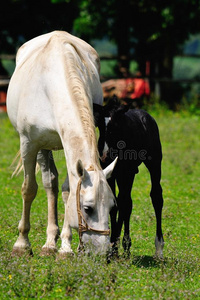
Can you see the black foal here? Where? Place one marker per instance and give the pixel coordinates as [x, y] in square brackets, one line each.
[133, 136]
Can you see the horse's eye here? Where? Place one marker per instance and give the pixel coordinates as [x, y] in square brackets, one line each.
[88, 210]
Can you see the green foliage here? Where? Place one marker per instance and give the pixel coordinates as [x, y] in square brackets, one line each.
[108, 68]
[32, 18]
[140, 276]
[60, 1]
[150, 30]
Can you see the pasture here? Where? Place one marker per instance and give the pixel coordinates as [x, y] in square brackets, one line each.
[138, 277]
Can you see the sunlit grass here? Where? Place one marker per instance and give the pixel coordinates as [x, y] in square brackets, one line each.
[140, 276]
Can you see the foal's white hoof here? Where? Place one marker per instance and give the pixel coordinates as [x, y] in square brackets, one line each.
[159, 248]
[158, 256]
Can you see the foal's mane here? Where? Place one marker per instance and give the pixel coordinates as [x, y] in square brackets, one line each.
[72, 62]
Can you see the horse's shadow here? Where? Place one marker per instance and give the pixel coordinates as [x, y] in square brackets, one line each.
[145, 261]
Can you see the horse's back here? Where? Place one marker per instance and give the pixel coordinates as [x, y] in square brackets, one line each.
[139, 132]
[41, 83]
[141, 116]
[42, 41]
[144, 131]
[36, 77]
[143, 121]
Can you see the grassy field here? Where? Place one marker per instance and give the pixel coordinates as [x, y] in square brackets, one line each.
[140, 276]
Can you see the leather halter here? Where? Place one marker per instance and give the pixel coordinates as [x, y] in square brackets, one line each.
[82, 223]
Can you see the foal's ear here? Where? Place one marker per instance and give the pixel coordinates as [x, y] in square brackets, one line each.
[109, 169]
[123, 109]
[118, 115]
[80, 168]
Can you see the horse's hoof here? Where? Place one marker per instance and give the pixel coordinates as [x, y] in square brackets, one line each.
[22, 252]
[64, 255]
[48, 251]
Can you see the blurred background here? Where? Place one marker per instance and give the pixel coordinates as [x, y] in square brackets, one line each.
[156, 41]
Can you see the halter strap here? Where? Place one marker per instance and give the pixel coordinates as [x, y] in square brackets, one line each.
[82, 223]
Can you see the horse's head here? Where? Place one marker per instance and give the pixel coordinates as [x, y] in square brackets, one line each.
[94, 200]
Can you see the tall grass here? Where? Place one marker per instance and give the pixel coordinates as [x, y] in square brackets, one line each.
[140, 276]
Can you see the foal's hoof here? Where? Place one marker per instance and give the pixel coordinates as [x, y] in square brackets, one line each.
[21, 252]
[158, 256]
[112, 254]
[127, 254]
[48, 251]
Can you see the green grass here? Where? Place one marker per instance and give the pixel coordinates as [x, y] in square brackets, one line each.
[140, 276]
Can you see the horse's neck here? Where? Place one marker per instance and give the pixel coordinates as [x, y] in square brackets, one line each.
[77, 145]
[81, 152]
[75, 114]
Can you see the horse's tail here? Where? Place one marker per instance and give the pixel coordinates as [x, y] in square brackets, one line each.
[19, 168]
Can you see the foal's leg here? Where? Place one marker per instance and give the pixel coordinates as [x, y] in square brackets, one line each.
[124, 202]
[50, 183]
[29, 191]
[113, 219]
[157, 200]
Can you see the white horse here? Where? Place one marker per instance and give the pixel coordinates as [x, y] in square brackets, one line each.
[49, 102]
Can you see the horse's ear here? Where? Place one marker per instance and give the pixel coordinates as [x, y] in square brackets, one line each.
[123, 109]
[109, 169]
[118, 115]
[80, 169]
[115, 101]
[112, 105]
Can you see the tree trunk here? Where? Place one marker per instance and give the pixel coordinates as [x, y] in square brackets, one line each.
[171, 92]
[122, 37]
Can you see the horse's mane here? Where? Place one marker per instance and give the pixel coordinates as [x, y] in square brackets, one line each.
[78, 92]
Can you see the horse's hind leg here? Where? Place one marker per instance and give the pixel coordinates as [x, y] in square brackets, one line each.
[50, 183]
[29, 190]
[157, 200]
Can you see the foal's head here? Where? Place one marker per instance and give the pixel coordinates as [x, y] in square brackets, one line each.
[115, 127]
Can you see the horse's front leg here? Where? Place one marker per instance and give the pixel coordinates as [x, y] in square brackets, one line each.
[29, 191]
[126, 242]
[114, 232]
[50, 183]
[125, 209]
[66, 234]
[125, 181]
[113, 219]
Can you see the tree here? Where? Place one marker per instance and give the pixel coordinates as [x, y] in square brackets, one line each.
[154, 30]
[22, 20]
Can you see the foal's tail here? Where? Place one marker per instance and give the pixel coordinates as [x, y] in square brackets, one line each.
[19, 168]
